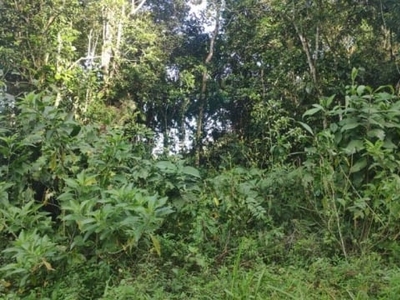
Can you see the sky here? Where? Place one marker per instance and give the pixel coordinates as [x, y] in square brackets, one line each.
[199, 7]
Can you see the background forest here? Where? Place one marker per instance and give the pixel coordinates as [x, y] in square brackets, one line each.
[219, 149]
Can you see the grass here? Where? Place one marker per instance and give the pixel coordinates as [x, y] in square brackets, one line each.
[160, 278]
[359, 278]
[338, 282]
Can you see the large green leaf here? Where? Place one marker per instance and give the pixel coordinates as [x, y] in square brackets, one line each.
[166, 166]
[359, 165]
[378, 133]
[312, 111]
[349, 126]
[354, 146]
[306, 127]
[191, 171]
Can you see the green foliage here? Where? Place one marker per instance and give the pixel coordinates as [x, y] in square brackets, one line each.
[85, 178]
[239, 191]
[17, 218]
[273, 135]
[351, 170]
[33, 255]
[296, 196]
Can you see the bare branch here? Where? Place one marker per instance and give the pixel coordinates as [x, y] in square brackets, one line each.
[136, 9]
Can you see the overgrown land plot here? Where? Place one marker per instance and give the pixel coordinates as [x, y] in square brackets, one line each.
[203, 149]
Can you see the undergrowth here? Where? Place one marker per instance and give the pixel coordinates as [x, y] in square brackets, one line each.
[86, 212]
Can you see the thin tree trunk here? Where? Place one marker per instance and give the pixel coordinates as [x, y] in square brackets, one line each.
[203, 100]
[134, 8]
[116, 50]
[310, 60]
[182, 136]
[58, 63]
[106, 51]
[264, 89]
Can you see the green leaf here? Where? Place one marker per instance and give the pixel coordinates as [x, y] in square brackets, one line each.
[313, 111]
[354, 73]
[361, 89]
[379, 133]
[191, 171]
[384, 96]
[359, 165]
[353, 147]
[333, 127]
[388, 144]
[306, 127]
[156, 244]
[327, 101]
[350, 126]
[71, 183]
[391, 125]
[338, 137]
[166, 166]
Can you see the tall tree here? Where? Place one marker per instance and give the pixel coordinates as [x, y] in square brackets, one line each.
[203, 92]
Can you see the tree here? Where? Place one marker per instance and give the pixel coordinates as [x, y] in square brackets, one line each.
[294, 52]
[203, 92]
[37, 40]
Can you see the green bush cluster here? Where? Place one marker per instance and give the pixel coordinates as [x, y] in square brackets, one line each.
[87, 213]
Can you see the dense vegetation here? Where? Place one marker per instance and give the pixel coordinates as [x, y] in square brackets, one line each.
[247, 151]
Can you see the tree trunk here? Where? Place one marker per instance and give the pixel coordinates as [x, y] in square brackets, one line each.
[310, 60]
[203, 98]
